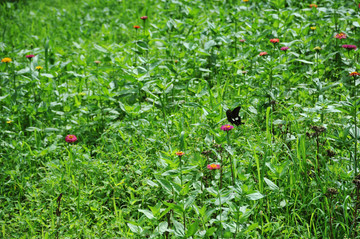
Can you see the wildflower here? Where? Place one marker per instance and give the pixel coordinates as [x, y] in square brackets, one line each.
[9, 121]
[213, 166]
[144, 18]
[176, 61]
[264, 53]
[275, 40]
[39, 68]
[97, 62]
[317, 48]
[244, 72]
[313, 28]
[242, 40]
[30, 56]
[284, 48]
[245, 0]
[226, 127]
[136, 27]
[70, 138]
[313, 5]
[6, 60]
[354, 73]
[340, 36]
[180, 153]
[349, 47]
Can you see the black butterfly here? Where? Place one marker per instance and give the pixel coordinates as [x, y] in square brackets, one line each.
[233, 116]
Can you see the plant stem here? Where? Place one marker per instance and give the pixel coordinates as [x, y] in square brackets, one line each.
[220, 209]
[355, 126]
[181, 182]
[355, 212]
[230, 160]
[330, 221]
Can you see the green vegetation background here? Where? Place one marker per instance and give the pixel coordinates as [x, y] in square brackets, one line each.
[165, 88]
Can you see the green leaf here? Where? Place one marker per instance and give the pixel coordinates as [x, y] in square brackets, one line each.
[192, 229]
[190, 201]
[151, 183]
[32, 129]
[143, 45]
[134, 228]
[272, 185]
[179, 229]
[304, 61]
[51, 129]
[163, 226]
[251, 227]
[47, 75]
[3, 97]
[255, 196]
[100, 48]
[165, 184]
[210, 231]
[147, 213]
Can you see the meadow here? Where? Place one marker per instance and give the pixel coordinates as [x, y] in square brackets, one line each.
[121, 119]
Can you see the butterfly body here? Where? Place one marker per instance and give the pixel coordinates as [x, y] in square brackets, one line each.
[233, 116]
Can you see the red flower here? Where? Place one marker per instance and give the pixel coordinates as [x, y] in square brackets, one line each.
[264, 53]
[70, 138]
[136, 27]
[144, 18]
[313, 5]
[284, 48]
[180, 153]
[275, 40]
[29, 56]
[354, 73]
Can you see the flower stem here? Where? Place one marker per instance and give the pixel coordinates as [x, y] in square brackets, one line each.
[355, 126]
[230, 160]
[181, 182]
[220, 210]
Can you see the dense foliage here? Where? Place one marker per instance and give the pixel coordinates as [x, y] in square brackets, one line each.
[113, 125]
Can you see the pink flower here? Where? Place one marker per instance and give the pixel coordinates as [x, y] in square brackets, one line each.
[226, 127]
[144, 18]
[340, 36]
[242, 40]
[284, 48]
[70, 138]
[213, 166]
[264, 53]
[29, 56]
[349, 47]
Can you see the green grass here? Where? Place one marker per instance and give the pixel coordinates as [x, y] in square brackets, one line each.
[166, 88]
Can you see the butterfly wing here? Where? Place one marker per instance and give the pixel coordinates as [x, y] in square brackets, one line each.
[233, 116]
[229, 116]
